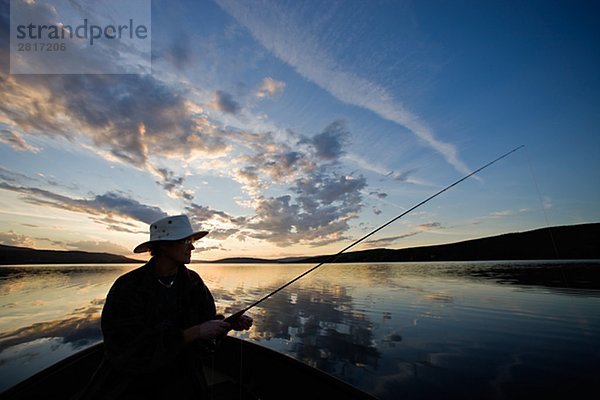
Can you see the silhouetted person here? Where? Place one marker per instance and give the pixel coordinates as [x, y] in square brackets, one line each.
[158, 321]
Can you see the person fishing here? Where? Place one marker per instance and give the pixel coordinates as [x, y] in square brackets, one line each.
[158, 322]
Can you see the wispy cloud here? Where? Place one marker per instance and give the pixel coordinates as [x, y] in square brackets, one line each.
[269, 88]
[7, 175]
[392, 240]
[404, 176]
[279, 28]
[507, 213]
[15, 141]
[428, 226]
[387, 241]
[504, 213]
[407, 175]
[103, 246]
[547, 202]
[110, 204]
[12, 238]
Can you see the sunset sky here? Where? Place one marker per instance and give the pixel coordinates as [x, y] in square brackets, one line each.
[292, 128]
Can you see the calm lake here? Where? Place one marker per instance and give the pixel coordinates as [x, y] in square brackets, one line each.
[478, 330]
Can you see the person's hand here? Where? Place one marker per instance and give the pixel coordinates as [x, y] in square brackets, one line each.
[208, 330]
[242, 323]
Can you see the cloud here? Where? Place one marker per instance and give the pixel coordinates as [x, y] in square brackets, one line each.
[367, 165]
[276, 161]
[13, 177]
[380, 195]
[317, 215]
[219, 224]
[329, 144]
[430, 225]
[200, 214]
[201, 249]
[110, 204]
[269, 88]
[12, 238]
[547, 203]
[278, 28]
[224, 102]
[132, 119]
[97, 247]
[129, 118]
[222, 234]
[404, 176]
[173, 185]
[266, 168]
[387, 241]
[115, 203]
[319, 201]
[249, 177]
[504, 213]
[141, 121]
[271, 160]
[508, 213]
[328, 189]
[16, 141]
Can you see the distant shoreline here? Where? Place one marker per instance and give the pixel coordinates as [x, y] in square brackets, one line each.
[12, 255]
[571, 242]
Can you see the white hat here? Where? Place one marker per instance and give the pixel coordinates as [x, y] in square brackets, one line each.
[173, 228]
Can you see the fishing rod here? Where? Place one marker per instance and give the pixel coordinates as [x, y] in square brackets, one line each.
[334, 257]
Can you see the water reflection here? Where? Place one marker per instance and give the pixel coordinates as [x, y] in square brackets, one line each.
[80, 332]
[559, 275]
[577, 277]
[468, 330]
[314, 321]
[48, 313]
[321, 328]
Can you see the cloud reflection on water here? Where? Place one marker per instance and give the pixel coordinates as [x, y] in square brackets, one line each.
[322, 326]
[78, 331]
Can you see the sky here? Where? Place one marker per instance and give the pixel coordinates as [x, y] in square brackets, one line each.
[289, 128]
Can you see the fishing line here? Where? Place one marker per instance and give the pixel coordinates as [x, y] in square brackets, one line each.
[542, 205]
[334, 257]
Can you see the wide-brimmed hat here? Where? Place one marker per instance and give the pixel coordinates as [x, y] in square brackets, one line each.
[173, 228]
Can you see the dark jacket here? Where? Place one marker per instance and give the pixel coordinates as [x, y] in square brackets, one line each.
[145, 356]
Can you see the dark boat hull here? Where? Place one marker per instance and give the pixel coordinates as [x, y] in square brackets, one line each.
[238, 370]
